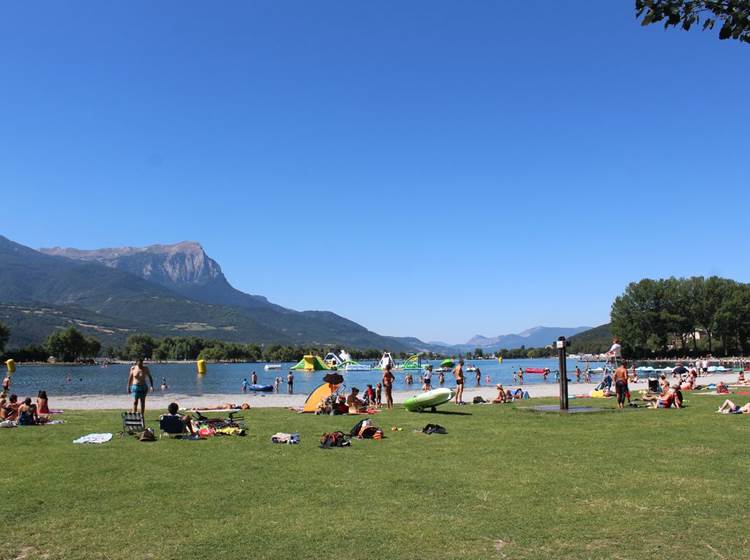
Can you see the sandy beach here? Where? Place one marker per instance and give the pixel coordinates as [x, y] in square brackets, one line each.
[158, 400]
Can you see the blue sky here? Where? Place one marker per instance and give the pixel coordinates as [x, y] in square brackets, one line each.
[435, 169]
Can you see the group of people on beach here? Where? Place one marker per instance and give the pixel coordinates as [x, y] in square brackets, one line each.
[26, 412]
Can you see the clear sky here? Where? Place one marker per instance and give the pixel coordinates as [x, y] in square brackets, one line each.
[427, 168]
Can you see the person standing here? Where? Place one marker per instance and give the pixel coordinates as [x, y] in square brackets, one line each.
[520, 376]
[479, 377]
[388, 385]
[137, 384]
[458, 373]
[441, 378]
[245, 384]
[6, 385]
[427, 379]
[621, 384]
[254, 378]
[289, 382]
[578, 374]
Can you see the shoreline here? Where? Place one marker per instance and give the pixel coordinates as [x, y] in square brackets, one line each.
[159, 401]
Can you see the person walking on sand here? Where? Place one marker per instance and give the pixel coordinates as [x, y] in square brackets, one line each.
[388, 385]
[458, 373]
[137, 384]
[621, 384]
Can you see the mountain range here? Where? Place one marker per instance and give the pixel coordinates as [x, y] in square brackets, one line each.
[177, 290]
[530, 338]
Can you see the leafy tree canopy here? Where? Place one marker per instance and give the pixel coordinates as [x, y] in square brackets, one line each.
[733, 16]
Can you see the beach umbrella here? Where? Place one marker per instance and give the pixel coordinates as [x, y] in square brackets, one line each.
[333, 378]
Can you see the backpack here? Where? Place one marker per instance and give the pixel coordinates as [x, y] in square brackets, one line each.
[334, 439]
[479, 400]
[434, 429]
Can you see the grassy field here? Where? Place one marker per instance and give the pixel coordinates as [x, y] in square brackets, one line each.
[503, 483]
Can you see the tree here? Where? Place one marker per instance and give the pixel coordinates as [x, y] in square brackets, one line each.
[68, 345]
[139, 346]
[4, 337]
[733, 15]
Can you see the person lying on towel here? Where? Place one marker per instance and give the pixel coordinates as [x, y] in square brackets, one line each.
[730, 408]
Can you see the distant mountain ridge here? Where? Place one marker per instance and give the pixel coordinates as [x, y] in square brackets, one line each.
[530, 338]
[174, 290]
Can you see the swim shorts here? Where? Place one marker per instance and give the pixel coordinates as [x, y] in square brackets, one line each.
[139, 391]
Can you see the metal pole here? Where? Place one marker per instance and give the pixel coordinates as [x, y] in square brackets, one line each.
[561, 351]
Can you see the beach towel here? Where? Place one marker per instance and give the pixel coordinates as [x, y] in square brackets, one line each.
[7, 424]
[283, 437]
[94, 438]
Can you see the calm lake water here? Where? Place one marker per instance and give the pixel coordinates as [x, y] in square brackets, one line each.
[227, 378]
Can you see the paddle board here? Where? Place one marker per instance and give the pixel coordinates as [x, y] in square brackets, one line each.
[428, 399]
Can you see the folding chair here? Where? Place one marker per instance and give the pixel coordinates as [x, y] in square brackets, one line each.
[133, 423]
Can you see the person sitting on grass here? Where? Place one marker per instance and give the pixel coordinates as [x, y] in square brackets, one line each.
[11, 408]
[667, 399]
[369, 395]
[518, 394]
[4, 409]
[174, 423]
[42, 403]
[728, 407]
[27, 415]
[500, 395]
[721, 388]
[354, 403]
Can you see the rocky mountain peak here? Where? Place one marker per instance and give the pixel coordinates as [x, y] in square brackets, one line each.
[184, 263]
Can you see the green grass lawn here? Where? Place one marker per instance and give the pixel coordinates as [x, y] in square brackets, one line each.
[504, 483]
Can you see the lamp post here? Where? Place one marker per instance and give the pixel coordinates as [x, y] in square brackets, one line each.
[561, 345]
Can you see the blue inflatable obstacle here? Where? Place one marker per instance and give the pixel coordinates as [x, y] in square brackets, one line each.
[263, 388]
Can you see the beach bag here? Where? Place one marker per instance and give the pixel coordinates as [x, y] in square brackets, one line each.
[334, 439]
[434, 429]
[479, 400]
[147, 435]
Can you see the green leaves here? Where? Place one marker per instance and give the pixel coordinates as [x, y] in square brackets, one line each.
[734, 15]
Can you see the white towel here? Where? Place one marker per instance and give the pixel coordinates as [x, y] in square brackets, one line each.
[94, 438]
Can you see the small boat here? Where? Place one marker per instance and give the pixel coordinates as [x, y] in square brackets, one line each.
[472, 369]
[268, 367]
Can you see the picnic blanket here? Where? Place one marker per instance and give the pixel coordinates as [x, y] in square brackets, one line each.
[94, 438]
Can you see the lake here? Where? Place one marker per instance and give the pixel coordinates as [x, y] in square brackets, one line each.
[182, 378]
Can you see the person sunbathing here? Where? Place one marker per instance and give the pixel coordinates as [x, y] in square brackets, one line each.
[666, 400]
[728, 407]
[501, 397]
[354, 403]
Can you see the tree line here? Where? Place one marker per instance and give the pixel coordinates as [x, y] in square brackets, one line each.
[686, 316]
